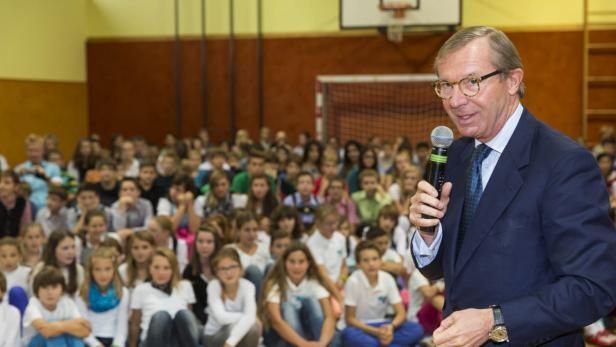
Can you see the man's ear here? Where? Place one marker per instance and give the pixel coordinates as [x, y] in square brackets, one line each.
[514, 80]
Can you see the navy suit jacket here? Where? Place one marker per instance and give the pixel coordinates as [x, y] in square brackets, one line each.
[541, 244]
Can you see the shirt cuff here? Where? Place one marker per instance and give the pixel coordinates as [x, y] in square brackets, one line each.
[423, 253]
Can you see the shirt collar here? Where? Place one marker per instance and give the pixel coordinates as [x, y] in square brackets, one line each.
[499, 142]
[292, 285]
[364, 280]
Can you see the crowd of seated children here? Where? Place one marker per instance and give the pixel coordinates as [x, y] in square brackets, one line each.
[245, 244]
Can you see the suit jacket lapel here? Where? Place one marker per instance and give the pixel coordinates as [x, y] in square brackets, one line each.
[451, 223]
[503, 186]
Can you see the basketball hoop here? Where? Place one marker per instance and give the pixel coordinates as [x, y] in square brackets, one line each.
[395, 28]
[398, 8]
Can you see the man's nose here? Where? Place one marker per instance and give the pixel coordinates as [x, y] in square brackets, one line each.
[457, 98]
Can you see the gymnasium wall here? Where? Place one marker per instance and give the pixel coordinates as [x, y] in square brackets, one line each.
[124, 49]
[132, 81]
[42, 73]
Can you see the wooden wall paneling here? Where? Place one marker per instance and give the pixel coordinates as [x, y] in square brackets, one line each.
[41, 107]
[553, 77]
[131, 82]
[131, 88]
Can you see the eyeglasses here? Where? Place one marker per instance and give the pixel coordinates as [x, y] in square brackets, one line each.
[228, 268]
[469, 86]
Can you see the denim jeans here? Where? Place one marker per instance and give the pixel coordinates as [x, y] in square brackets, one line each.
[407, 334]
[179, 331]
[251, 339]
[306, 317]
[64, 340]
[255, 276]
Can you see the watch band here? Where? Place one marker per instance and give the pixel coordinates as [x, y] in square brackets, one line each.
[498, 315]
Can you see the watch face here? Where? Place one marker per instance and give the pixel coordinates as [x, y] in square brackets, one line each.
[499, 334]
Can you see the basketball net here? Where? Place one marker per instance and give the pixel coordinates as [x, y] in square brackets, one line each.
[395, 28]
[395, 32]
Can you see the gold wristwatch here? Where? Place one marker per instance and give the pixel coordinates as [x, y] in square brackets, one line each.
[498, 334]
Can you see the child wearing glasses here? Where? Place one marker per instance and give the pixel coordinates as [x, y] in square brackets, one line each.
[232, 308]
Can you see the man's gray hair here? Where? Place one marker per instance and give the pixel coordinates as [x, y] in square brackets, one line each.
[504, 55]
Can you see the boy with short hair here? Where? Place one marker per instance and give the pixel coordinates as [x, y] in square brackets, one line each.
[256, 165]
[280, 240]
[36, 171]
[147, 178]
[217, 160]
[368, 293]
[391, 261]
[168, 166]
[370, 199]
[51, 317]
[303, 200]
[337, 196]
[9, 319]
[54, 215]
[108, 187]
[87, 200]
[396, 226]
[288, 179]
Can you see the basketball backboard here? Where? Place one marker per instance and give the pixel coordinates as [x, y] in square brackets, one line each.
[362, 14]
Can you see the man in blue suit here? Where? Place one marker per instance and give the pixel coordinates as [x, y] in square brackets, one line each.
[523, 236]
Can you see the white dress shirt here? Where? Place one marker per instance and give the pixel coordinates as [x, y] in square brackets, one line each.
[425, 254]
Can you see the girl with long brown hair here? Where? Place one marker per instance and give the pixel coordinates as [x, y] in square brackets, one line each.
[294, 302]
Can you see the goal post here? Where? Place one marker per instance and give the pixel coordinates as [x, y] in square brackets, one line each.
[361, 106]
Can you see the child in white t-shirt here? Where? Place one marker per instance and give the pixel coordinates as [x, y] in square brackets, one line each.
[295, 304]
[161, 308]
[51, 317]
[103, 301]
[368, 294]
[9, 319]
[232, 308]
[253, 255]
[426, 299]
[16, 275]
[328, 247]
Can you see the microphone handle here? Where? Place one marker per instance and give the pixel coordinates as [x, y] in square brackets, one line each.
[435, 175]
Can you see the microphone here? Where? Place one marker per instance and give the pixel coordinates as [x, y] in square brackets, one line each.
[442, 138]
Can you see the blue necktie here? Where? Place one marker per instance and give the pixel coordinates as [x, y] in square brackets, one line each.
[472, 194]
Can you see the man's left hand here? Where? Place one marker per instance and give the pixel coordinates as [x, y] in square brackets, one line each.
[468, 327]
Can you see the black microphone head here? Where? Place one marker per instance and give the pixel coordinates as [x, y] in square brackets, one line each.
[441, 137]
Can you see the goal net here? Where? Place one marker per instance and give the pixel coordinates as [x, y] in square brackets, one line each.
[361, 106]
